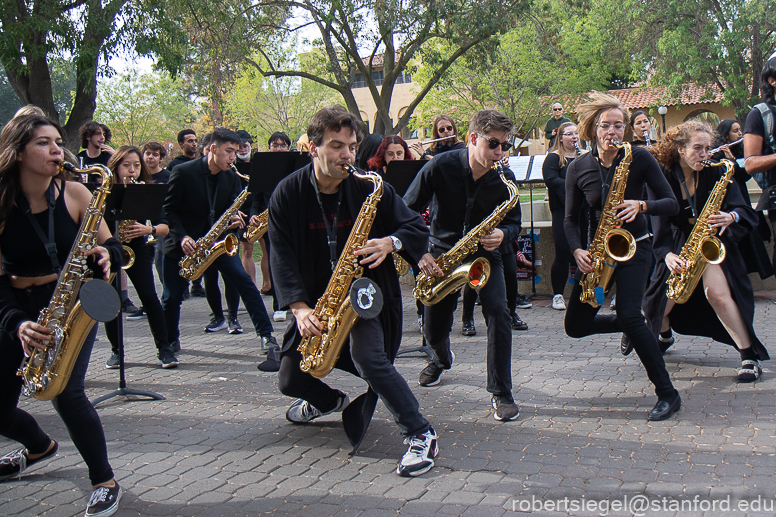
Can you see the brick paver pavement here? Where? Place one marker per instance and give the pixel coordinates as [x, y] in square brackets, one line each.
[219, 445]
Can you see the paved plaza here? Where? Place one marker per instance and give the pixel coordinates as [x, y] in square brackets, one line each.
[219, 444]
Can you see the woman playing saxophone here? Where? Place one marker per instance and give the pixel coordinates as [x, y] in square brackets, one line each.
[722, 305]
[37, 206]
[603, 120]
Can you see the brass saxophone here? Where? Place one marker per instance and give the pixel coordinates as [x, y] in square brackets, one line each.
[333, 309]
[431, 289]
[45, 372]
[254, 233]
[611, 243]
[129, 254]
[702, 246]
[207, 249]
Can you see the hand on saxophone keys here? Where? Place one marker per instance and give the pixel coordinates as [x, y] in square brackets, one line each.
[492, 240]
[306, 322]
[428, 265]
[102, 258]
[627, 210]
[675, 263]
[721, 221]
[583, 260]
[237, 220]
[188, 245]
[375, 250]
[135, 230]
[32, 336]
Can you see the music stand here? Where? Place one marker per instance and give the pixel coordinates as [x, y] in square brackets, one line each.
[528, 170]
[268, 169]
[131, 202]
[401, 173]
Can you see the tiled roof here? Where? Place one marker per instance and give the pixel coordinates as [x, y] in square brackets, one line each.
[647, 97]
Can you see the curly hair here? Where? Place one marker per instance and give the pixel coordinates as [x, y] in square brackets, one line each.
[377, 162]
[86, 131]
[590, 112]
[667, 149]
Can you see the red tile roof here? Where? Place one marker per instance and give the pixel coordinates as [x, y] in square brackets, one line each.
[646, 97]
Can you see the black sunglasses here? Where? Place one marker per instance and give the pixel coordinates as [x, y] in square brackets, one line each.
[493, 143]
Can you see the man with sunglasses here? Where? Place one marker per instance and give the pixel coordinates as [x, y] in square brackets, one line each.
[465, 190]
[552, 125]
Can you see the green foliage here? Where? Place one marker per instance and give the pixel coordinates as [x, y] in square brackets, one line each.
[139, 108]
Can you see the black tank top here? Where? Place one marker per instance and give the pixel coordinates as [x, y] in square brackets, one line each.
[24, 254]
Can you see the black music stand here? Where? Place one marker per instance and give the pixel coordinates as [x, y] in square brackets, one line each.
[268, 169]
[142, 202]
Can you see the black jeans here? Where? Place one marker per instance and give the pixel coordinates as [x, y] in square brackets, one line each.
[438, 322]
[559, 272]
[142, 276]
[370, 360]
[231, 269]
[81, 419]
[213, 295]
[583, 320]
[275, 306]
[509, 261]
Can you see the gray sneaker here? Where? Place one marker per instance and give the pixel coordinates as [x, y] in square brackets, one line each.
[268, 342]
[302, 412]
[505, 407]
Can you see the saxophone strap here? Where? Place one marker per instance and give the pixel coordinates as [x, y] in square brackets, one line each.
[605, 177]
[470, 202]
[690, 199]
[48, 241]
[331, 232]
[211, 196]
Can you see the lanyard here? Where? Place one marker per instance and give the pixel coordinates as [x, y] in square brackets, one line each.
[470, 201]
[331, 232]
[51, 246]
[211, 197]
[608, 178]
[690, 199]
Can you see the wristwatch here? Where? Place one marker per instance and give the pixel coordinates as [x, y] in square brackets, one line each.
[396, 243]
[153, 231]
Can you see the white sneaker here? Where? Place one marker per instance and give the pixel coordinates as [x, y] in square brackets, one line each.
[419, 458]
[558, 303]
[279, 316]
[302, 412]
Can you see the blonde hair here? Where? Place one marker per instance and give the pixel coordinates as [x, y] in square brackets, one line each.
[557, 147]
[590, 112]
[29, 109]
[667, 149]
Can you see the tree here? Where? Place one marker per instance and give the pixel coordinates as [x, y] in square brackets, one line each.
[139, 108]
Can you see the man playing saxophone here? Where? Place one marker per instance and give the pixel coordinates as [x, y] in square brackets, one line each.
[466, 190]
[588, 180]
[313, 213]
[200, 192]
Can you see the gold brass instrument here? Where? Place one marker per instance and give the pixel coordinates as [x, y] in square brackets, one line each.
[401, 265]
[254, 233]
[334, 310]
[129, 253]
[207, 249]
[45, 372]
[431, 289]
[702, 247]
[611, 243]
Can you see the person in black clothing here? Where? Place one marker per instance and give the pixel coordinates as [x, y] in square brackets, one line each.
[300, 211]
[552, 125]
[94, 141]
[187, 140]
[640, 125]
[554, 173]
[206, 182]
[443, 127]
[36, 201]
[126, 164]
[457, 180]
[603, 120]
[722, 305]
[367, 149]
[153, 155]
[751, 245]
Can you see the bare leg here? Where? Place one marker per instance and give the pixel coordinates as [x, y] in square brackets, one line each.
[266, 283]
[246, 251]
[665, 326]
[718, 294]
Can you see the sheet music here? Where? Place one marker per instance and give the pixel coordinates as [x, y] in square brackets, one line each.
[520, 166]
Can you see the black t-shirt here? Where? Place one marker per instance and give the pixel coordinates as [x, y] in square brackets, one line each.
[163, 176]
[102, 159]
[316, 229]
[754, 125]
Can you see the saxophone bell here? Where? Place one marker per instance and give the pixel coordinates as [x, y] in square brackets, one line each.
[128, 257]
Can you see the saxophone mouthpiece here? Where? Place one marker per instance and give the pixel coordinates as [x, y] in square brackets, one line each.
[710, 163]
[69, 167]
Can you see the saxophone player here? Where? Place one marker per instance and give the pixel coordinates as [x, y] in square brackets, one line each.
[38, 206]
[311, 215]
[466, 190]
[201, 190]
[723, 309]
[603, 120]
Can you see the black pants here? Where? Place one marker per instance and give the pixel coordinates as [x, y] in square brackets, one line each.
[438, 322]
[469, 297]
[142, 276]
[559, 272]
[81, 419]
[367, 354]
[583, 320]
[213, 295]
[275, 306]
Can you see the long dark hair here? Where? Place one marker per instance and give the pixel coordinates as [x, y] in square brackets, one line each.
[366, 149]
[118, 157]
[435, 132]
[377, 162]
[721, 137]
[766, 90]
[13, 139]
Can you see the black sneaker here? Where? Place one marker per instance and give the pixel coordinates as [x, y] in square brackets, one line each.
[14, 463]
[522, 302]
[215, 325]
[626, 347]
[234, 326]
[430, 375]
[505, 407]
[128, 307]
[104, 501]
[468, 328]
[113, 363]
[167, 359]
[517, 323]
[186, 295]
[176, 346]
[419, 458]
[140, 313]
[269, 342]
[197, 291]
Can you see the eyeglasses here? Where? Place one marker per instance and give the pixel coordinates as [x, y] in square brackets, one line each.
[493, 143]
[557, 109]
[446, 129]
[604, 126]
[278, 146]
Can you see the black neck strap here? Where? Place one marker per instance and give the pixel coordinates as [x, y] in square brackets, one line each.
[331, 231]
[211, 196]
[606, 179]
[48, 242]
[690, 199]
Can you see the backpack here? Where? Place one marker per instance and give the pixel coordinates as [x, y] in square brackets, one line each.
[766, 178]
